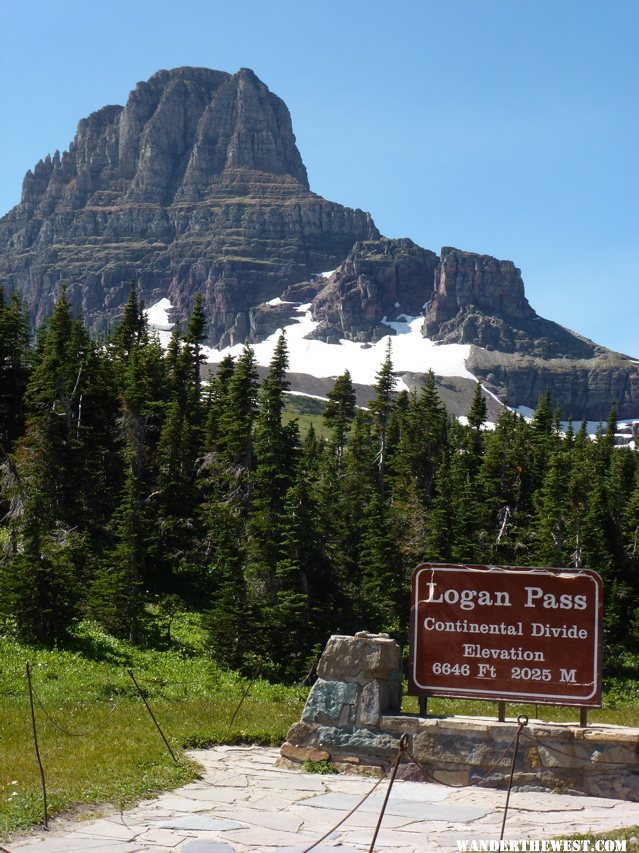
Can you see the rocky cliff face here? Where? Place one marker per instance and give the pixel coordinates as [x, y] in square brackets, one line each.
[379, 280]
[196, 185]
[480, 300]
[474, 299]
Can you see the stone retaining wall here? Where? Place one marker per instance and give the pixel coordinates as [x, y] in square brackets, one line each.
[353, 717]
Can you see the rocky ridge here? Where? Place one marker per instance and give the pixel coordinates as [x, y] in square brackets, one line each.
[465, 298]
[196, 185]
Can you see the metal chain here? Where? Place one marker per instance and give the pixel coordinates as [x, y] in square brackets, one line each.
[65, 731]
[357, 805]
[428, 773]
[570, 755]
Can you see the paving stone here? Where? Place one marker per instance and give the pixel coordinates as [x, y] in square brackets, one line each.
[200, 845]
[118, 831]
[73, 843]
[408, 808]
[288, 810]
[287, 821]
[172, 803]
[199, 822]
[165, 837]
[322, 819]
[261, 838]
[217, 795]
[295, 783]
[274, 803]
[321, 848]
[419, 791]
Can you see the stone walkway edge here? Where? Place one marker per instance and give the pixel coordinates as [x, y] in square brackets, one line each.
[244, 802]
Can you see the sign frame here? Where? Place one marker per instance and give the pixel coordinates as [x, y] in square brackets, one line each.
[461, 660]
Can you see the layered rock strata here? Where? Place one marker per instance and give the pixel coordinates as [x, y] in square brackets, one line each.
[378, 281]
[480, 300]
[196, 185]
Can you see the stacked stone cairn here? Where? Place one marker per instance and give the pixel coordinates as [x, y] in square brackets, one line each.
[359, 681]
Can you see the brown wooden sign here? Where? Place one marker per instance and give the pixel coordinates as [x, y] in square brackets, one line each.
[506, 634]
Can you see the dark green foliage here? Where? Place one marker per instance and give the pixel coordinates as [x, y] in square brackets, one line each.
[125, 481]
[14, 369]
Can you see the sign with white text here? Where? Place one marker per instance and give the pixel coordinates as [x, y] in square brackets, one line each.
[506, 634]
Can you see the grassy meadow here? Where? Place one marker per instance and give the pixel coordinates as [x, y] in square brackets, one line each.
[97, 741]
[99, 745]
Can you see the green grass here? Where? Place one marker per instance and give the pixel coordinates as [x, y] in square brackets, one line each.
[125, 759]
[87, 687]
[306, 411]
[613, 713]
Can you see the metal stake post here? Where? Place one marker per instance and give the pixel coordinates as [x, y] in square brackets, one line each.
[37, 750]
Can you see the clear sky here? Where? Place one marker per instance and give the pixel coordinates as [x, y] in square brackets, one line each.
[506, 127]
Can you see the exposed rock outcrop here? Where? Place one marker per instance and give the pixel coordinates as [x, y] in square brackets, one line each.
[196, 185]
[379, 280]
[480, 300]
[583, 388]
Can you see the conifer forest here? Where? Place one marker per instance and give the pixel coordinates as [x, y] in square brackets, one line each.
[129, 486]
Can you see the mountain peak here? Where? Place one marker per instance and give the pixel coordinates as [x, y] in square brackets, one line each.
[195, 184]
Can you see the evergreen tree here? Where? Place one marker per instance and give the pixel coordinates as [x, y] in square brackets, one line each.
[553, 511]
[66, 467]
[383, 598]
[236, 420]
[380, 408]
[14, 370]
[424, 438]
[339, 412]
[216, 401]
[478, 409]
[275, 447]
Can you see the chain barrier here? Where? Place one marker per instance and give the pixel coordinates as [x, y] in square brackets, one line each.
[68, 733]
[403, 745]
[356, 806]
[522, 722]
[241, 702]
[34, 727]
[152, 715]
[575, 757]
[404, 750]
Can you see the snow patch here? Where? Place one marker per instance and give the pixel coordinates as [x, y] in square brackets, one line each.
[278, 301]
[158, 315]
[410, 351]
[304, 394]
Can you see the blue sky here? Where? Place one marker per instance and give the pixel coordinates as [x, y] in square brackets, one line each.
[506, 127]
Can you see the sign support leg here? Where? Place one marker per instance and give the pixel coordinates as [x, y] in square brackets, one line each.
[583, 718]
[501, 712]
[423, 706]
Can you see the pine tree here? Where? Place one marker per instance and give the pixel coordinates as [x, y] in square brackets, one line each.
[216, 401]
[236, 420]
[275, 447]
[14, 370]
[380, 408]
[132, 330]
[339, 412]
[424, 438]
[553, 511]
[478, 409]
[383, 597]
[66, 467]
